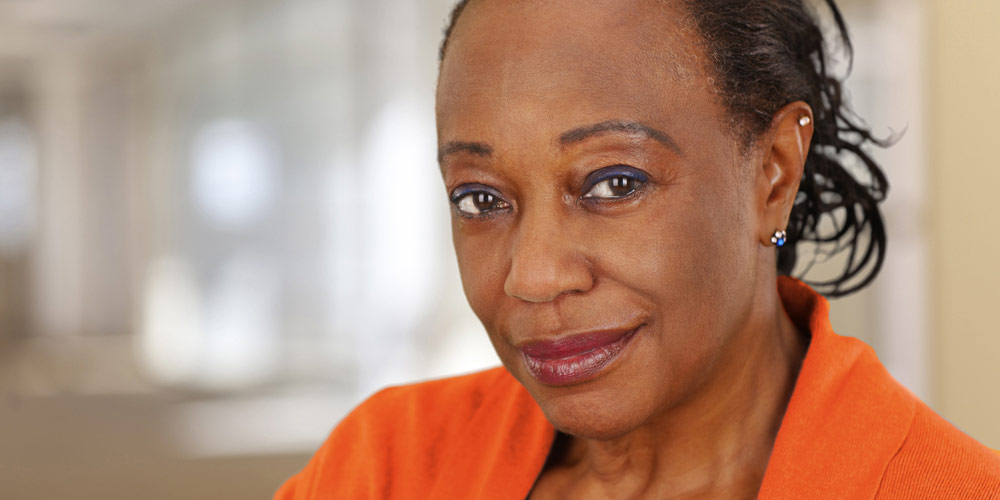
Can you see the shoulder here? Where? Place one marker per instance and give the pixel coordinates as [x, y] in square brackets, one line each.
[402, 432]
[430, 411]
[434, 406]
[939, 461]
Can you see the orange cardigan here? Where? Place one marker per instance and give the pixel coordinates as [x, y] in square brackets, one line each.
[850, 432]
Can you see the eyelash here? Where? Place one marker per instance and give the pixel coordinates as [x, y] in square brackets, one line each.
[469, 193]
[627, 175]
[615, 175]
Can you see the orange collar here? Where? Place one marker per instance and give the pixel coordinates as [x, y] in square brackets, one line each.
[847, 416]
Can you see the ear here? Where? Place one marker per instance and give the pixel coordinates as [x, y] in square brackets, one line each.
[783, 147]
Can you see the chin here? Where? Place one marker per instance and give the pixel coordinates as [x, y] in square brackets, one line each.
[600, 424]
[607, 407]
[598, 413]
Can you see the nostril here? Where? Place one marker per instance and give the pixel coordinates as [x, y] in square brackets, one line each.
[544, 280]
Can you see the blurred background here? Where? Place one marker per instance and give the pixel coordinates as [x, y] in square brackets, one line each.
[222, 227]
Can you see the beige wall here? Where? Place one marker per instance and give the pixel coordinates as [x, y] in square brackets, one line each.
[963, 137]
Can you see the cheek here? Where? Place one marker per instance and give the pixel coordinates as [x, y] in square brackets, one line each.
[676, 251]
[481, 258]
[686, 257]
[483, 252]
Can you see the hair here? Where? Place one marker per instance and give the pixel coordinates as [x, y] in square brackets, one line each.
[766, 54]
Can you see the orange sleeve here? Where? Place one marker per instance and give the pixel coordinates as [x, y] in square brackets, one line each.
[938, 460]
[348, 464]
[435, 439]
[390, 446]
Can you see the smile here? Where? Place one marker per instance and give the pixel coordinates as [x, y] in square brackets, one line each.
[574, 359]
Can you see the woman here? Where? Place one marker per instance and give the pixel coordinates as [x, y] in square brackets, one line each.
[629, 180]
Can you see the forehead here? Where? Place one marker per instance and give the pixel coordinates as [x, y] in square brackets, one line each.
[517, 61]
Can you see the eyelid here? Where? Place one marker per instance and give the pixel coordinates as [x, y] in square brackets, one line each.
[461, 191]
[465, 190]
[603, 174]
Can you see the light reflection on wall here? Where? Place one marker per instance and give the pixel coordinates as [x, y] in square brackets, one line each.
[241, 324]
[223, 338]
[18, 177]
[234, 173]
[403, 243]
[219, 328]
[171, 335]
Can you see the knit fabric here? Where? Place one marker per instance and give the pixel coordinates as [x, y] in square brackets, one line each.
[850, 432]
[939, 461]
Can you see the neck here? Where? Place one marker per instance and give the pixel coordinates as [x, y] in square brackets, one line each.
[717, 443]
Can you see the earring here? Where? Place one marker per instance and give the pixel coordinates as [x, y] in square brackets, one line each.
[779, 238]
[805, 120]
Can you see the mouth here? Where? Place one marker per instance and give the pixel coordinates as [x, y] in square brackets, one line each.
[575, 359]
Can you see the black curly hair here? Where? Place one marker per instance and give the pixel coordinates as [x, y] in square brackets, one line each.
[766, 54]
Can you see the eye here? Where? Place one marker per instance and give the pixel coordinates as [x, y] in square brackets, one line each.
[477, 201]
[614, 182]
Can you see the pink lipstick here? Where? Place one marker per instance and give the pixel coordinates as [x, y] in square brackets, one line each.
[574, 359]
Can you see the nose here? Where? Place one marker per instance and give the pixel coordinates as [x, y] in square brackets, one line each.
[547, 260]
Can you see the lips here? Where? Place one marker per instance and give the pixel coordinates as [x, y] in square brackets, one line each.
[574, 359]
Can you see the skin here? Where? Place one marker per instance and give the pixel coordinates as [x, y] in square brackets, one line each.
[692, 406]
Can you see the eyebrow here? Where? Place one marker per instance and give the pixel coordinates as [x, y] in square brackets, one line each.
[476, 148]
[570, 137]
[632, 127]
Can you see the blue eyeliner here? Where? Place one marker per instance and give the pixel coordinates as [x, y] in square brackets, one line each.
[466, 189]
[613, 171]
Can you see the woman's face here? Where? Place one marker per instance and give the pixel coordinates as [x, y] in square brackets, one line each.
[603, 215]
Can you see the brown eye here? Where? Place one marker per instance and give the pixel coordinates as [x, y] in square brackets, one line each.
[613, 187]
[478, 203]
[484, 201]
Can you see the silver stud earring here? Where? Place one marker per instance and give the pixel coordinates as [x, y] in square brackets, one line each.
[805, 120]
[779, 238]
